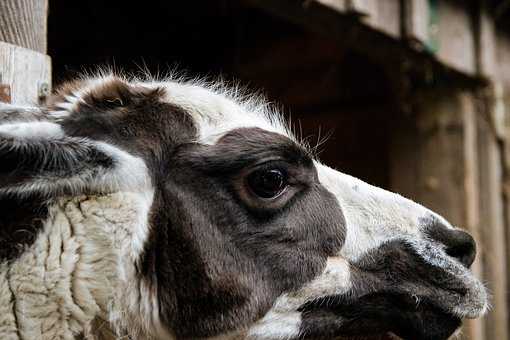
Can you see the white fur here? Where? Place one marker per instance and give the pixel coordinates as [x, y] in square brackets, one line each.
[31, 130]
[100, 239]
[79, 268]
[130, 173]
[283, 321]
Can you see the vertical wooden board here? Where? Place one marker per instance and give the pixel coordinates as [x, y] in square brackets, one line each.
[339, 5]
[387, 17]
[24, 71]
[455, 36]
[434, 160]
[434, 143]
[493, 232]
[487, 50]
[364, 6]
[475, 329]
[24, 23]
[503, 58]
[417, 20]
[381, 15]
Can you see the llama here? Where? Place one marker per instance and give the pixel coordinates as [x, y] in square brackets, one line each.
[177, 209]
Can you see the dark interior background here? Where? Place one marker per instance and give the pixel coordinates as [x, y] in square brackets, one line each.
[327, 88]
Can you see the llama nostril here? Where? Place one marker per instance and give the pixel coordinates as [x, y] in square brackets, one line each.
[458, 244]
[461, 246]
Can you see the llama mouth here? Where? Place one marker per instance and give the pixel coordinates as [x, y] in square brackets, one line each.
[382, 315]
[398, 290]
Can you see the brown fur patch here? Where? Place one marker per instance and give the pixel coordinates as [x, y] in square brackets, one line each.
[112, 93]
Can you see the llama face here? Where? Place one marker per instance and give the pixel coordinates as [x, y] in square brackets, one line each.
[241, 232]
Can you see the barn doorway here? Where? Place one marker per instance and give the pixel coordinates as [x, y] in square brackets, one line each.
[328, 89]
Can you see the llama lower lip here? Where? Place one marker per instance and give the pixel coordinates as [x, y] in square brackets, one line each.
[381, 316]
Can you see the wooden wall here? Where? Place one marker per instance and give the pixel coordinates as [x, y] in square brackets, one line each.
[25, 69]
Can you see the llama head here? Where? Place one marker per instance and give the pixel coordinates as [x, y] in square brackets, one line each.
[244, 233]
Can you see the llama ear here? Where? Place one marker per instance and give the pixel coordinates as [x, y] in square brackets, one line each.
[98, 94]
[37, 157]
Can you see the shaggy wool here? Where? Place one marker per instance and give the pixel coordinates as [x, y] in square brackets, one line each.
[71, 274]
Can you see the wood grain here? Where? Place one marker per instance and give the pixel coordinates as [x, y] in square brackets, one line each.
[24, 23]
[24, 71]
[493, 231]
[437, 147]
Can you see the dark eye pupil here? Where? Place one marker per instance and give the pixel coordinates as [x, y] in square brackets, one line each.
[267, 183]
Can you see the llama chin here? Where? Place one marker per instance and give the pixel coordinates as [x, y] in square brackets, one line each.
[177, 209]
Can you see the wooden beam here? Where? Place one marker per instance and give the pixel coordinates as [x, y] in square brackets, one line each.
[352, 32]
[456, 36]
[381, 15]
[503, 59]
[502, 98]
[415, 14]
[24, 23]
[27, 73]
[339, 5]
[474, 328]
[25, 69]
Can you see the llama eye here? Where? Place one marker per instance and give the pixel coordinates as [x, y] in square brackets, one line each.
[267, 183]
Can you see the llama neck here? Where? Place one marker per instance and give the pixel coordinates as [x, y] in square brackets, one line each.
[73, 272]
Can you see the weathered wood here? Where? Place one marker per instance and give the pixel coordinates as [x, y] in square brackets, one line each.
[456, 37]
[503, 58]
[503, 103]
[350, 31]
[493, 232]
[24, 23]
[474, 329]
[416, 20]
[486, 51]
[437, 149]
[339, 5]
[25, 71]
[381, 15]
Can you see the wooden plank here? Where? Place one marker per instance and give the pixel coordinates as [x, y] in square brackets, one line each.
[381, 15]
[503, 104]
[25, 71]
[338, 5]
[380, 47]
[24, 23]
[503, 59]
[437, 149]
[456, 37]
[493, 233]
[487, 49]
[416, 13]
[475, 329]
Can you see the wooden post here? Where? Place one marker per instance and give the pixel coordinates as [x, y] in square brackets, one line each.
[503, 103]
[434, 161]
[24, 23]
[491, 143]
[25, 69]
[493, 231]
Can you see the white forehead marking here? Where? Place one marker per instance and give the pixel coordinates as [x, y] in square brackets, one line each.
[215, 107]
[372, 215]
[217, 111]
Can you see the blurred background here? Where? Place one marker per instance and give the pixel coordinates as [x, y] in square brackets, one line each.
[413, 95]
